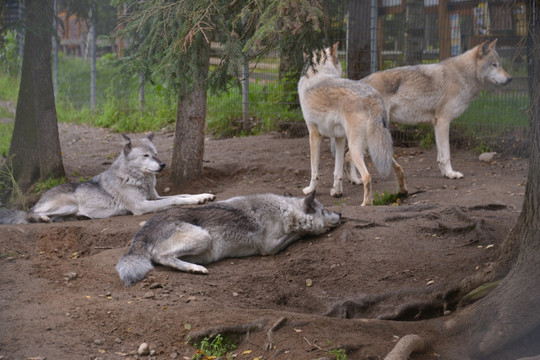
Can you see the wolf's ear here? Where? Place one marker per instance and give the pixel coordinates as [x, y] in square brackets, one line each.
[150, 136]
[309, 203]
[127, 144]
[483, 49]
[492, 44]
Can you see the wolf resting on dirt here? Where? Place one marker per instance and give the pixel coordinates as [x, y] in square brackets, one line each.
[127, 186]
[241, 226]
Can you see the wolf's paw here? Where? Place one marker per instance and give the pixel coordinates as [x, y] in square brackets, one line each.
[206, 197]
[454, 175]
[336, 193]
[308, 190]
[44, 219]
[197, 269]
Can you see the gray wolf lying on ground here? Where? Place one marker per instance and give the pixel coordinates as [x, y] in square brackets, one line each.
[238, 227]
[346, 111]
[128, 186]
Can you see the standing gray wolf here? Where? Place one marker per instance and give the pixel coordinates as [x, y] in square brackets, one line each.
[438, 93]
[127, 186]
[346, 111]
[241, 226]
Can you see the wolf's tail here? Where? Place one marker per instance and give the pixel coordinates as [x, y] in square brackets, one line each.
[380, 144]
[8, 216]
[136, 263]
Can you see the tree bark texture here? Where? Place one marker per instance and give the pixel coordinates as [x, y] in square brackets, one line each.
[35, 146]
[512, 311]
[358, 52]
[190, 130]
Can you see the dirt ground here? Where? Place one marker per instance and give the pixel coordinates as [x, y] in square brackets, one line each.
[62, 299]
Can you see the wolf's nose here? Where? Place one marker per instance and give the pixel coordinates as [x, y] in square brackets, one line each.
[508, 80]
[161, 166]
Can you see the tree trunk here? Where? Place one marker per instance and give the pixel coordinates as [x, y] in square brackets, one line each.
[511, 312]
[358, 47]
[35, 146]
[191, 125]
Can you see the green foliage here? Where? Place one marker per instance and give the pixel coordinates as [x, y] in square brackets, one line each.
[265, 110]
[10, 63]
[170, 40]
[217, 346]
[386, 198]
[9, 87]
[48, 183]
[482, 148]
[8, 184]
[338, 354]
[6, 130]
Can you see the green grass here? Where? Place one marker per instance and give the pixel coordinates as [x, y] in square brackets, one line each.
[9, 88]
[266, 110]
[214, 347]
[496, 112]
[6, 130]
[387, 198]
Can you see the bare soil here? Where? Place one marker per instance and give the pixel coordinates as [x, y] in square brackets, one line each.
[359, 288]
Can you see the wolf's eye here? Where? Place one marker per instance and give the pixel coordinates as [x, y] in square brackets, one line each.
[494, 65]
[146, 155]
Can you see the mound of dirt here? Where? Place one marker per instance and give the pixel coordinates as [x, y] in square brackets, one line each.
[359, 288]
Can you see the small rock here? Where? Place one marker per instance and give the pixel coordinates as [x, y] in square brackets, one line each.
[70, 276]
[487, 156]
[155, 286]
[173, 355]
[309, 282]
[149, 295]
[144, 349]
[167, 190]
[118, 340]
[98, 342]
[191, 298]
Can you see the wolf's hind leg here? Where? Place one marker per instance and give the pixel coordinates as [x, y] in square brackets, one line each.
[172, 261]
[189, 241]
[337, 188]
[398, 170]
[315, 154]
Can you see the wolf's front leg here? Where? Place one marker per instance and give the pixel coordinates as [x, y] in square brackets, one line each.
[193, 199]
[442, 133]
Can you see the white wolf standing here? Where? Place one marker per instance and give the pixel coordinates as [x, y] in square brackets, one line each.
[127, 186]
[241, 226]
[348, 111]
[438, 93]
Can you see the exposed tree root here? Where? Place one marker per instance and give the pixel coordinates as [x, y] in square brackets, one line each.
[405, 347]
[277, 325]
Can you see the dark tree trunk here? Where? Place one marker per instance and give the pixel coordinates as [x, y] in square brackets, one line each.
[191, 126]
[35, 146]
[359, 49]
[511, 312]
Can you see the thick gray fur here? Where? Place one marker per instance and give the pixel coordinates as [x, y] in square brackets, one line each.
[128, 186]
[241, 226]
